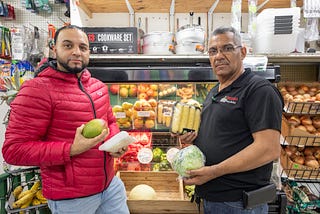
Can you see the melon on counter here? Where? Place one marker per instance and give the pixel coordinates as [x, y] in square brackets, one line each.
[142, 192]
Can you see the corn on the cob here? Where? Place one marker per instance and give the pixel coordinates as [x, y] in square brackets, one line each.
[176, 118]
[197, 119]
[168, 121]
[184, 117]
[17, 191]
[191, 117]
[160, 115]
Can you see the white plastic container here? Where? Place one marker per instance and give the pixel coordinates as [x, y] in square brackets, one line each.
[118, 141]
[190, 34]
[189, 48]
[158, 49]
[158, 37]
[267, 41]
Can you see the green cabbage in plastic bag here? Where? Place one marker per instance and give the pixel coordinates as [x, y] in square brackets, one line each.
[188, 158]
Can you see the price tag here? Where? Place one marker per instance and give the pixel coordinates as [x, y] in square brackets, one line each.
[145, 155]
[120, 115]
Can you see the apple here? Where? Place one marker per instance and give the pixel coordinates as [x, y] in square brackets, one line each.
[149, 124]
[123, 92]
[133, 91]
[114, 89]
[138, 123]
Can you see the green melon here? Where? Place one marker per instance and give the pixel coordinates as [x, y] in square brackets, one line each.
[93, 128]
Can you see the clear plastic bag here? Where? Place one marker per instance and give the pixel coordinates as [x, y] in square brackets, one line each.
[186, 159]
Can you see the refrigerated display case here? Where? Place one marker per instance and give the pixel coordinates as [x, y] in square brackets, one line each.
[161, 82]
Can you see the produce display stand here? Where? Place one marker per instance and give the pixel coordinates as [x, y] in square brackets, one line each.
[301, 179]
[14, 178]
[171, 197]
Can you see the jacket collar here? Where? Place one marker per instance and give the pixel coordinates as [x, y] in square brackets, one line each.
[49, 69]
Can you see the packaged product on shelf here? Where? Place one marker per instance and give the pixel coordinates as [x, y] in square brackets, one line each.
[130, 160]
[167, 90]
[123, 114]
[164, 112]
[147, 91]
[144, 114]
[185, 91]
[302, 197]
[186, 117]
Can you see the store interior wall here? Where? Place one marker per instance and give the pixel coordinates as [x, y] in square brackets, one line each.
[28, 19]
[149, 23]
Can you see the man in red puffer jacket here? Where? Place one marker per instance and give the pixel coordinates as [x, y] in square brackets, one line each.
[45, 126]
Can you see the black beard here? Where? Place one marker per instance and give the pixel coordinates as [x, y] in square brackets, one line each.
[74, 70]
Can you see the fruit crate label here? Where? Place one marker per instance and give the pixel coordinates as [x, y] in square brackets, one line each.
[143, 113]
[120, 115]
[167, 113]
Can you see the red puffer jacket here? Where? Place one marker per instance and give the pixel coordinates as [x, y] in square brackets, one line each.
[43, 121]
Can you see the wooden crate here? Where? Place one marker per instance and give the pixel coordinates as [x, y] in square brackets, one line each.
[170, 193]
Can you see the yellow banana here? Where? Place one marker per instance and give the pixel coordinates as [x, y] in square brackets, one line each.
[24, 193]
[17, 191]
[24, 200]
[35, 202]
[40, 196]
[43, 201]
[35, 186]
[27, 204]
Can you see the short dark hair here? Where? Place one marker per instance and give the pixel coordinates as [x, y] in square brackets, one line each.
[223, 30]
[64, 28]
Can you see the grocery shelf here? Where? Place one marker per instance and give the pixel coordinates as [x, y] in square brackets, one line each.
[181, 6]
[309, 108]
[285, 58]
[301, 140]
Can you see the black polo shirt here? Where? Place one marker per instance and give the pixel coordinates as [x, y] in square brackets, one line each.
[228, 119]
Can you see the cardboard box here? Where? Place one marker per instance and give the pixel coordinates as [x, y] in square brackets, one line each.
[308, 107]
[170, 193]
[112, 40]
[297, 171]
[296, 136]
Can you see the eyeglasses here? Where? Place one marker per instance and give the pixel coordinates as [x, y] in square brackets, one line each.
[226, 49]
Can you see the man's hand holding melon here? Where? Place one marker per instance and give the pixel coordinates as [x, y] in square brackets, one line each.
[89, 135]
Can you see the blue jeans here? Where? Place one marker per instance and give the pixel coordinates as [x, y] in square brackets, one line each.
[232, 208]
[111, 200]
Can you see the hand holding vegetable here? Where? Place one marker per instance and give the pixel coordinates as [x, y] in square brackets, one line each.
[82, 144]
[186, 159]
[187, 139]
[201, 176]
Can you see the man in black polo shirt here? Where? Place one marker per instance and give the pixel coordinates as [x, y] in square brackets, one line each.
[239, 132]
